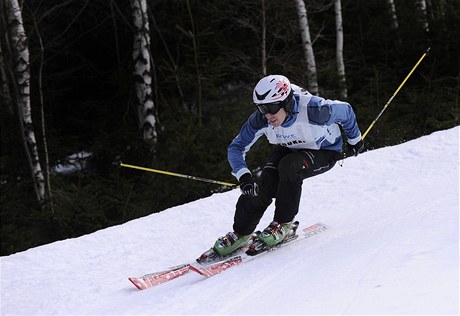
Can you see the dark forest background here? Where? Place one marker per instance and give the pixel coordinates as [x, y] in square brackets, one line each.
[89, 98]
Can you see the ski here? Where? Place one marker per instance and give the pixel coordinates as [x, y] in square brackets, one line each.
[255, 250]
[210, 264]
[153, 279]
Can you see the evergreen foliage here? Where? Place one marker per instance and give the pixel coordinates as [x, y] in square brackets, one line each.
[88, 95]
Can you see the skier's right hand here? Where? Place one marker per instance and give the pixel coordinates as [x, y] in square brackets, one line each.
[248, 186]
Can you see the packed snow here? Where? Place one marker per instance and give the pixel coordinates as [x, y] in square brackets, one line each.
[392, 248]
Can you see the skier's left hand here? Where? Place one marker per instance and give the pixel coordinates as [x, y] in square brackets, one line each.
[356, 149]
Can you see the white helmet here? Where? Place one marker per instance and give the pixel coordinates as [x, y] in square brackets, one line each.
[273, 93]
[273, 88]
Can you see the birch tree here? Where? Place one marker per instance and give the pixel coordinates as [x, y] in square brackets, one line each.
[422, 15]
[339, 50]
[146, 111]
[21, 69]
[311, 75]
[394, 23]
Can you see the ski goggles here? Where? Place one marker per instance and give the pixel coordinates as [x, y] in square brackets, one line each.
[270, 108]
[274, 107]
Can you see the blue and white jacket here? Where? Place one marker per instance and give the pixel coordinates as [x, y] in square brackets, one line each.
[313, 124]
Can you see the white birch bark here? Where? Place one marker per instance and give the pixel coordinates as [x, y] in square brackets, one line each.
[339, 50]
[422, 14]
[394, 24]
[20, 52]
[312, 82]
[430, 10]
[143, 71]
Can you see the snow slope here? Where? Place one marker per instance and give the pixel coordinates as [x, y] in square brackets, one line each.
[392, 248]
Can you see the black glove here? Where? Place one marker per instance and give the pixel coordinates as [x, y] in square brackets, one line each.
[356, 149]
[248, 185]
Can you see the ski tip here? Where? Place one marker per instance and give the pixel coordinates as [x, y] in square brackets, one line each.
[157, 278]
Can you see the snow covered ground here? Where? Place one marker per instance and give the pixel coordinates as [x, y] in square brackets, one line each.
[392, 248]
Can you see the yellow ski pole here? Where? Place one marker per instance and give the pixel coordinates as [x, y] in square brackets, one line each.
[396, 92]
[175, 174]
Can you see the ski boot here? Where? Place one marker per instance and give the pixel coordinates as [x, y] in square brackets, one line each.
[229, 243]
[224, 247]
[273, 237]
[274, 233]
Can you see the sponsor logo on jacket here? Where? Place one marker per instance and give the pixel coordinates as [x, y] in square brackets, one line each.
[288, 140]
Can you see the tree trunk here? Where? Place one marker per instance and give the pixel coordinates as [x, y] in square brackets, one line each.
[339, 50]
[20, 53]
[312, 82]
[422, 15]
[394, 23]
[5, 96]
[42, 116]
[143, 72]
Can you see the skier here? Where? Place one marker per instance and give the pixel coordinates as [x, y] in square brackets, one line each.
[305, 130]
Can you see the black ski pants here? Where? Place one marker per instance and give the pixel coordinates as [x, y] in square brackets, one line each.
[281, 179]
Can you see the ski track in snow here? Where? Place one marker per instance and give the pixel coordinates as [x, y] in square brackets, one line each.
[392, 248]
